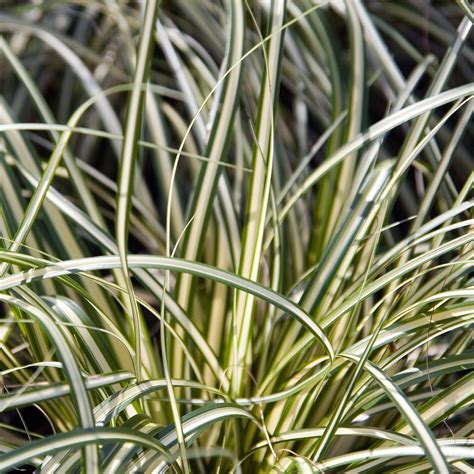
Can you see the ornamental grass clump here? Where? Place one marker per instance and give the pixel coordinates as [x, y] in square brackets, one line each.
[236, 236]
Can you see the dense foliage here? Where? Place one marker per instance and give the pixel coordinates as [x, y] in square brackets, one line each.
[236, 236]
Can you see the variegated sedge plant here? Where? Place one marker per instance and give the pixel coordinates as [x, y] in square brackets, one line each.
[236, 236]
